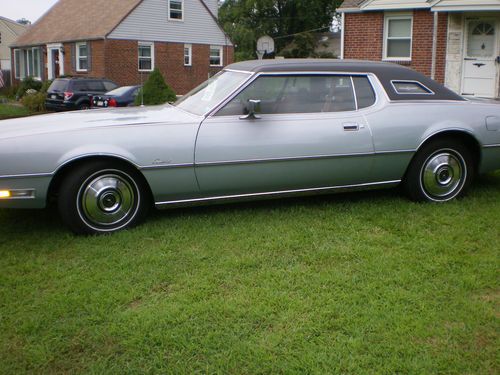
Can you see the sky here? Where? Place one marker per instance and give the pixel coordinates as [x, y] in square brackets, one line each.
[29, 9]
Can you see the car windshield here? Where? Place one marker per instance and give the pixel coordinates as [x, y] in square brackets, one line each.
[120, 90]
[210, 93]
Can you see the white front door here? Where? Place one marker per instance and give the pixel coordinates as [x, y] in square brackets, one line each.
[481, 64]
[55, 61]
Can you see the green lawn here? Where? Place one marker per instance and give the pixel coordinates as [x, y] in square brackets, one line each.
[365, 283]
[9, 110]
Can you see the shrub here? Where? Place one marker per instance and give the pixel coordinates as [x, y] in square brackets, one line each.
[10, 92]
[29, 83]
[35, 102]
[155, 90]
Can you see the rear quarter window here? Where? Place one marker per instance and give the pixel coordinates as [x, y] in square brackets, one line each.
[364, 91]
[59, 85]
[411, 87]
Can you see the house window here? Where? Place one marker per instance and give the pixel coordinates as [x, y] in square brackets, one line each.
[146, 57]
[17, 63]
[188, 54]
[27, 63]
[215, 56]
[176, 10]
[82, 57]
[398, 37]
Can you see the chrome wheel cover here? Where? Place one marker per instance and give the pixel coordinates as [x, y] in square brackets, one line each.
[108, 200]
[443, 175]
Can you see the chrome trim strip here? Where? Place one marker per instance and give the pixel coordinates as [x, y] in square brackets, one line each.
[354, 92]
[276, 193]
[411, 93]
[492, 146]
[27, 175]
[222, 162]
[446, 130]
[298, 158]
[166, 166]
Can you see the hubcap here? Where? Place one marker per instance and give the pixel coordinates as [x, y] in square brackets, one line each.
[107, 200]
[443, 175]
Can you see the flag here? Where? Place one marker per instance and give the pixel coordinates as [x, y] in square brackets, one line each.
[2, 82]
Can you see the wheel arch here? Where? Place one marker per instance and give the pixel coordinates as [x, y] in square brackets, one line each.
[463, 136]
[61, 173]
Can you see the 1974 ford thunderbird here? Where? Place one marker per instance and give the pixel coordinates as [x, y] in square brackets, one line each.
[257, 129]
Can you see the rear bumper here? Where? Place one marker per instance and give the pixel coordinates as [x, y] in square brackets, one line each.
[60, 106]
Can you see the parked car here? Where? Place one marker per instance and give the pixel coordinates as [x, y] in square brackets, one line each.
[120, 97]
[258, 129]
[75, 93]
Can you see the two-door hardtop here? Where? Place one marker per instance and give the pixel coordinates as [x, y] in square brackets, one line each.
[258, 129]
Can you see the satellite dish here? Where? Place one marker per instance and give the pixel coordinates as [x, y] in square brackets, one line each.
[265, 45]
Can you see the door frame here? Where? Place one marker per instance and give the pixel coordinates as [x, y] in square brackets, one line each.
[496, 20]
[50, 63]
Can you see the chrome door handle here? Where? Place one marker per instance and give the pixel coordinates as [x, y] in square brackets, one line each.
[350, 126]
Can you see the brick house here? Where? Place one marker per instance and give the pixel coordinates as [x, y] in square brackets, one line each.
[456, 42]
[124, 40]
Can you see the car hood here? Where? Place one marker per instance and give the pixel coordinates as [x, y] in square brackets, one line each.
[98, 118]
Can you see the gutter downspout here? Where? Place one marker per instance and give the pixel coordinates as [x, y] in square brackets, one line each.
[342, 25]
[434, 44]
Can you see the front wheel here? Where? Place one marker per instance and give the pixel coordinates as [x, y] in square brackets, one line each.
[101, 197]
[442, 170]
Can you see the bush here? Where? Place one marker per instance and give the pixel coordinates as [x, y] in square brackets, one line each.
[29, 83]
[155, 91]
[35, 102]
[9, 92]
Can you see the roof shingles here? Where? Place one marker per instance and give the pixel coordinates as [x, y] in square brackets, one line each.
[73, 20]
[351, 4]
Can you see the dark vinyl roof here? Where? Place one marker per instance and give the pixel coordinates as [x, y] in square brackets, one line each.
[385, 72]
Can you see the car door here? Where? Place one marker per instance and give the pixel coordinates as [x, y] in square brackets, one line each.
[310, 135]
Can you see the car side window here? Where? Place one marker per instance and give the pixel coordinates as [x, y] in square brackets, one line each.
[79, 86]
[95, 86]
[364, 91]
[282, 94]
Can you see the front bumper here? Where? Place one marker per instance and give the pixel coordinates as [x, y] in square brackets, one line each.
[36, 188]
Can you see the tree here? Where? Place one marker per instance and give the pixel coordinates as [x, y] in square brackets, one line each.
[24, 21]
[246, 20]
[155, 90]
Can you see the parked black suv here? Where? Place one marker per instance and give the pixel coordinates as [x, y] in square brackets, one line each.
[66, 94]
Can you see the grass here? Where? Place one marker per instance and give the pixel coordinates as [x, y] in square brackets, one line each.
[365, 283]
[9, 110]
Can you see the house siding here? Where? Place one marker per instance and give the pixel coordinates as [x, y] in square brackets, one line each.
[149, 22]
[364, 40]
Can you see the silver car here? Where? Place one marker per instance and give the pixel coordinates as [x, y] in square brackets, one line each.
[257, 129]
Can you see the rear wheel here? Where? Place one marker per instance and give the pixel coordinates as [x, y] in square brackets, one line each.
[84, 106]
[102, 197]
[442, 170]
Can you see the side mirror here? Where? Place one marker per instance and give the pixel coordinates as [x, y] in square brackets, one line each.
[252, 109]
